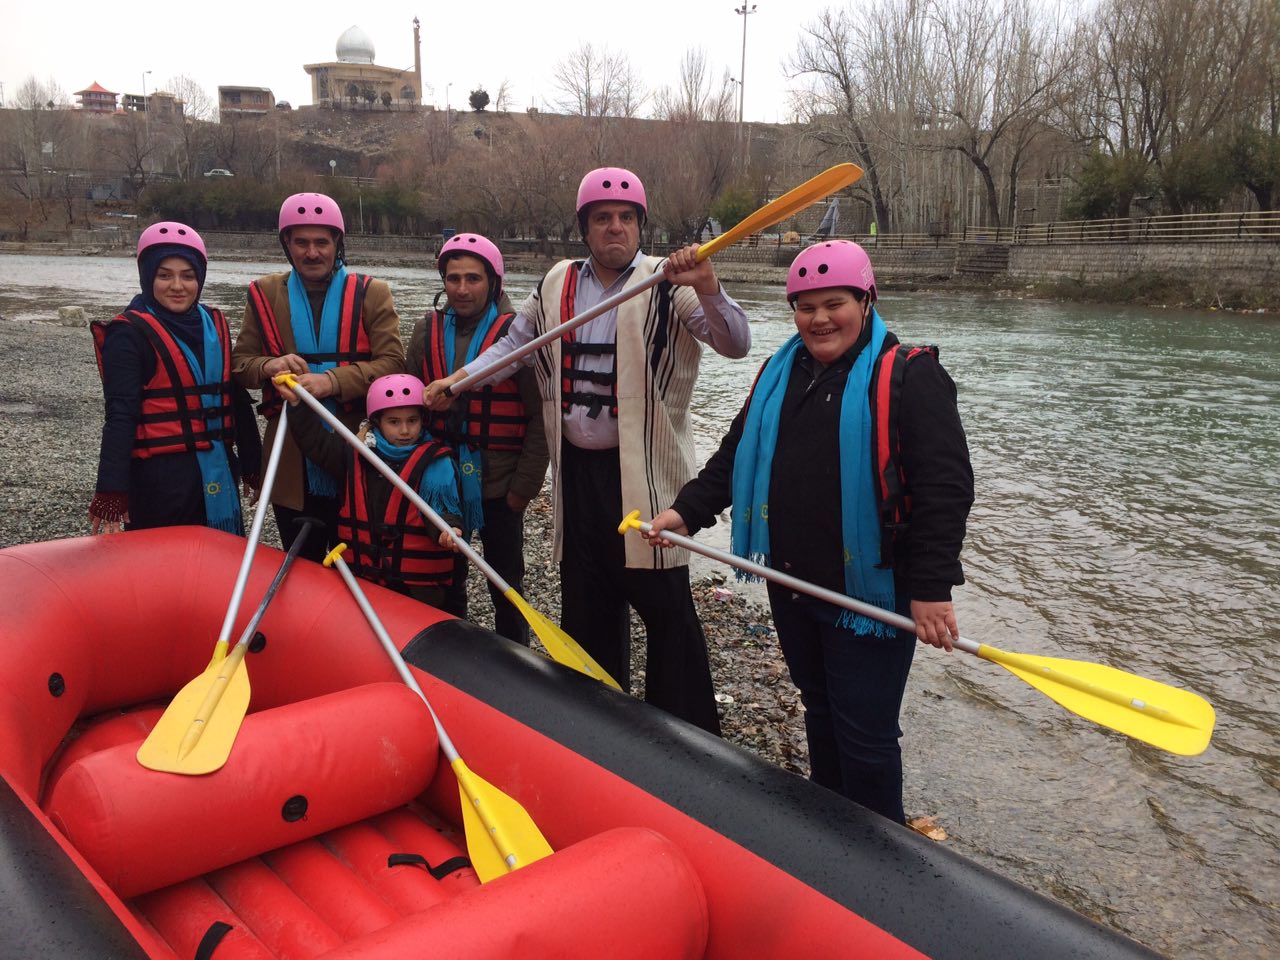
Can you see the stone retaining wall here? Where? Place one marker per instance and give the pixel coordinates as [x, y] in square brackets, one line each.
[1227, 263]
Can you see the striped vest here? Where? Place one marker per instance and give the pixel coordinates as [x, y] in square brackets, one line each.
[657, 367]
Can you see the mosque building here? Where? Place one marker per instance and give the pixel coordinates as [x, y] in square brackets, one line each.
[353, 79]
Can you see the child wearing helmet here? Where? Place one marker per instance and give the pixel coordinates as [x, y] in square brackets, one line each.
[495, 431]
[844, 423]
[389, 541]
[176, 429]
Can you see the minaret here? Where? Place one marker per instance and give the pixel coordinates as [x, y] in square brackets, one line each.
[417, 57]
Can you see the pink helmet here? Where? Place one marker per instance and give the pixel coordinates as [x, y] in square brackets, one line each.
[611, 183]
[311, 210]
[832, 263]
[394, 390]
[473, 245]
[172, 232]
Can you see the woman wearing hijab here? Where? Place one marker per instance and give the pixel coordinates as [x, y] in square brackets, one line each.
[173, 415]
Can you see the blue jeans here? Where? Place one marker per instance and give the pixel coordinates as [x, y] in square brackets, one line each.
[851, 687]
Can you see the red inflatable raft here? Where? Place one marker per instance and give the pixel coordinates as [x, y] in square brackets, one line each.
[334, 829]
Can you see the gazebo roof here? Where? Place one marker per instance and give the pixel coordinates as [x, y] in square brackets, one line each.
[95, 87]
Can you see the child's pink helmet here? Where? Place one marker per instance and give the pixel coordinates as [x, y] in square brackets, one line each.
[394, 390]
[832, 263]
[172, 232]
[473, 245]
[611, 183]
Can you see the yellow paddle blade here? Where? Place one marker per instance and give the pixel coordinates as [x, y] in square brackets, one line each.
[792, 202]
[1166, 717]
[195, 734]
[562, 647]
[501, 836]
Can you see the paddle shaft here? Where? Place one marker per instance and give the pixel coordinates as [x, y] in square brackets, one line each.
[555, 333]
[993, 654]
[794, 583]
[465, 782]
[232, 663]
[255, 532]
[395, 480]
[794, 200]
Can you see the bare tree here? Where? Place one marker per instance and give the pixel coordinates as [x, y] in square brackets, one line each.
[601, 87]
[691, 148]
[503, 98]
[198, 111]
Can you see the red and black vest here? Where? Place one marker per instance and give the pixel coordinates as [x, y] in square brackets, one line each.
[892, 497]
[398, 548]
[173, 418]
[353, 339]
[495, 414]
[571, 349]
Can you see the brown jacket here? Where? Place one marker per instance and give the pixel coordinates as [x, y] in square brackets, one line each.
[351, 382]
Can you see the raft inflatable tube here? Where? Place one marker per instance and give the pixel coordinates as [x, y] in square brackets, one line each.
[333, 830]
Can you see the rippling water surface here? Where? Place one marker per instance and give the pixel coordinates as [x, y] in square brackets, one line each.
[1128, 512]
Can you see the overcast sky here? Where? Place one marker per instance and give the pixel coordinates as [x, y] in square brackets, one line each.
[465, 44]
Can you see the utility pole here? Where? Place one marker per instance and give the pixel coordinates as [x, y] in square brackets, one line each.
[146, 114]
[743, 11]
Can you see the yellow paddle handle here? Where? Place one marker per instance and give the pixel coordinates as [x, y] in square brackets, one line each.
[337, 551]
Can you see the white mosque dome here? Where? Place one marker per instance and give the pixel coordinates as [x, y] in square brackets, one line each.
[354, 46]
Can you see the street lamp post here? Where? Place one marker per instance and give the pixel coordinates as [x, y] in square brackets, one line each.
[743, 11]
[333, 168]
[146, 114]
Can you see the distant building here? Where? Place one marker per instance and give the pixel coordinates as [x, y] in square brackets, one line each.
[161, 105]
[244, 101]
[353, 79]
[97, 99]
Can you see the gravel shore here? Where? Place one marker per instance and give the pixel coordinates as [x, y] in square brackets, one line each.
[50, 425]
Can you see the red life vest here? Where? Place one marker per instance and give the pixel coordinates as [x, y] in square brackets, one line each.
[892, 497]
[399, 548]
[172, 418]
[496, 418]
[570, 349]
[353, 339]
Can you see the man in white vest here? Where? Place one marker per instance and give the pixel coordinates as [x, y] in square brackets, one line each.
[615, 400]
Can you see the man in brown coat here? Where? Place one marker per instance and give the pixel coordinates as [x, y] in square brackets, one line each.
[336, 331]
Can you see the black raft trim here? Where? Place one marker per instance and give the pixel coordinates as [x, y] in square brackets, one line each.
[212, 937]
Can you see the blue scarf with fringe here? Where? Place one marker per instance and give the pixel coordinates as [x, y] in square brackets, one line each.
[302, 320]
[859, 523]
[221, 499]
[439, 483]
[468, 456]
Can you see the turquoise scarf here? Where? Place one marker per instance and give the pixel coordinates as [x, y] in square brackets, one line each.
[439, 483]
[221, 499]
[468, 457]
[303, 323]
[859, 523]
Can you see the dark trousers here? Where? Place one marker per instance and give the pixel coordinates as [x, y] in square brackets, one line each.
[319, 542]
[851, 687]
[596, 589]
[502, 537]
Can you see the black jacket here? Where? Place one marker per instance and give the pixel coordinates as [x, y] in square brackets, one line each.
[804, 489]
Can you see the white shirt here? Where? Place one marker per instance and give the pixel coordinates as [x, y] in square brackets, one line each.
[717, 321]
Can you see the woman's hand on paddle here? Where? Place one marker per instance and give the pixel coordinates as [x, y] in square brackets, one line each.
[435, 398]
[666, 520]
[683, 268]
[448, 539]
[291, 397]
[935, 623]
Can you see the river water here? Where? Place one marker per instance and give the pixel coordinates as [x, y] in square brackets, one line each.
[1128, 512]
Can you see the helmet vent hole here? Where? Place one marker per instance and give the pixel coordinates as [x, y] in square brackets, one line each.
[607, 184]
[302, 210]
[391, 393]
[822, 268]
[803, 271]
[625, 185]
[319, 210]
[164, 229]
